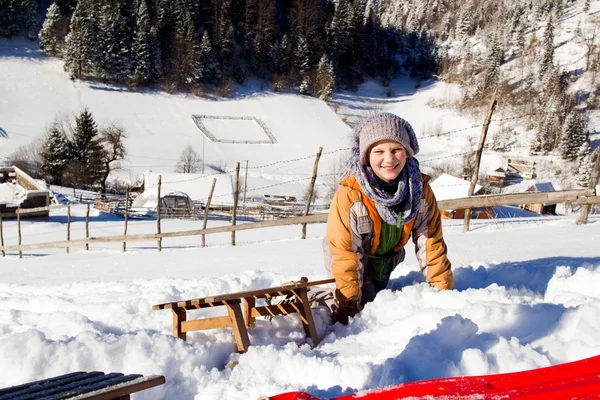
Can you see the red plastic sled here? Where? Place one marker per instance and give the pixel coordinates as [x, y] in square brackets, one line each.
[574, 380]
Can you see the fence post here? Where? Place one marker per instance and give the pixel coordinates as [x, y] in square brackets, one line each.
[68, 225]
[245, 184]
[474, 177]
[236, 194]
[206, 207]
[585, 209]
[2, 237]
[310, 190]
[19, 230]
[126, 217]
[159, 241]
[87, 226]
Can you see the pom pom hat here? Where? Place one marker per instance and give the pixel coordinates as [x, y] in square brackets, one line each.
[386, 126]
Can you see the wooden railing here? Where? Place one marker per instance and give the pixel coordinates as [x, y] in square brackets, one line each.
[585, 196]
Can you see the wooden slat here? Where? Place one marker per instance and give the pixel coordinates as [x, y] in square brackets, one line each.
[268, 292]
[49, 381]
[136, 385]
[206, 323]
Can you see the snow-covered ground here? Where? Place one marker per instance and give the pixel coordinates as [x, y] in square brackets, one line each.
[526, 288]
[526, 297]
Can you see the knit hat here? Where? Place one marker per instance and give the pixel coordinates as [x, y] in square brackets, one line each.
[386, 126]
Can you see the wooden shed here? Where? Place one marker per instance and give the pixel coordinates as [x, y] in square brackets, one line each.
[541, 208]
[447, 187]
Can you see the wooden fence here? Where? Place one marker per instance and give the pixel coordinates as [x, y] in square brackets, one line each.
[582, 197]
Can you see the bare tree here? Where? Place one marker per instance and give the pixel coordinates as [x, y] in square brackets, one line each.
[28, 158]
[589, 35]
[189, 161]
[112, 138]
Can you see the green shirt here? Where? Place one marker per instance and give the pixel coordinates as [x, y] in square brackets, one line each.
[380, 267]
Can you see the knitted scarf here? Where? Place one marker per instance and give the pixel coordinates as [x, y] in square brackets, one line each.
[400, 207]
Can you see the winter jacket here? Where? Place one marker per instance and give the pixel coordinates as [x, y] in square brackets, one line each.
[354, 230]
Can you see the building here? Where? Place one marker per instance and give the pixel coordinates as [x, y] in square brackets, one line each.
[541, 208]
[448, 187]
[19, 191]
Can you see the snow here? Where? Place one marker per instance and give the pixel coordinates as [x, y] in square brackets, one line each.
[9, 194]
[526, 291]
[517, 305]
[196, 186]
[446, 187]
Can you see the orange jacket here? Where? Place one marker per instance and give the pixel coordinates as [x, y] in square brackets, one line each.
[354, 228]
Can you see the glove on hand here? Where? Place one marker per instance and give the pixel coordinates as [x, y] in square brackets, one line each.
[342, 314]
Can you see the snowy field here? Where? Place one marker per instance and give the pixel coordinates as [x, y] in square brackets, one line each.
[526, 297]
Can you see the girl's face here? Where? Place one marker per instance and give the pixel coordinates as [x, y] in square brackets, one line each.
[387, 158]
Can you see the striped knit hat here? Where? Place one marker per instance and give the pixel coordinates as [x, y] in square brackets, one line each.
[386, 126]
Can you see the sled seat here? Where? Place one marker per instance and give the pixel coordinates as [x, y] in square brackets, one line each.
[296, 302]
[83, 385]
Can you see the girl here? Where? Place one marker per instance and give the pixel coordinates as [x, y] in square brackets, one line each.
[380, 204]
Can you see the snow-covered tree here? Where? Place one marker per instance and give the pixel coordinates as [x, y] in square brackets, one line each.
[493, 65]
[86, 151]
[586, 164]
[302, 56]
[325, 80]
[207, 64]
[573, 135]
[115, 57]
[49, 34]
[80, 42]
[55, 154]
[547, 60]
[142, 67]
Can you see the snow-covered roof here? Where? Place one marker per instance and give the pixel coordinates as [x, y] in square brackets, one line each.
[9, 194]
[447, 187]
[543, 187]
[196, 186]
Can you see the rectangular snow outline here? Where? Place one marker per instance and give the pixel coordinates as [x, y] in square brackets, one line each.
[206, 132]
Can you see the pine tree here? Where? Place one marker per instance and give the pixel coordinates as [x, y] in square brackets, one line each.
[547, 61]
[142, 67]
[370, 43]
[86, 150]
[586, 164]
[302, 56]
[80, 44]
[115, 58]
[9, 25]
[573, 136]
[207, 64]
[493, 65]
[325, 78]
[55, 154]
[586, 6]
[30, 7]
[48, 34]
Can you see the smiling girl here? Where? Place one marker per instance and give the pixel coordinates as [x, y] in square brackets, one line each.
[380, 204]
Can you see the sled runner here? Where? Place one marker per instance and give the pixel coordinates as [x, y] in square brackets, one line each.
[573, 380]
